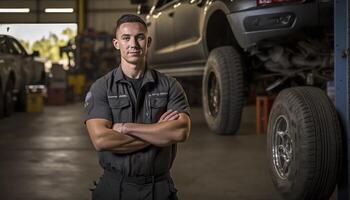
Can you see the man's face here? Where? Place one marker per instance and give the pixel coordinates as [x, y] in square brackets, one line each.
[132, 41]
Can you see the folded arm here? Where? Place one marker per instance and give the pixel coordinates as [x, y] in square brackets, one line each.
[103, 138]
[161, 134]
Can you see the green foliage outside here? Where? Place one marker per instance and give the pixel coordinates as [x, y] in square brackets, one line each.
[50, 47]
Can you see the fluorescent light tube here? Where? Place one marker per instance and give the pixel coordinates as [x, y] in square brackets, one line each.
[14, 10]
[59, 10]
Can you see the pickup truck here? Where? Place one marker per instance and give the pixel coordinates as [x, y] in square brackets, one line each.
[258, 47]
[17, 69]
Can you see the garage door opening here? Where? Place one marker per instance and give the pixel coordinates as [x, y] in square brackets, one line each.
[55, 43]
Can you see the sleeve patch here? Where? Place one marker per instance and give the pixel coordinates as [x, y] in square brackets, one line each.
[88, 101]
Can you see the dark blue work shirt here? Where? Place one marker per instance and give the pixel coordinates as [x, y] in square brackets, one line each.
[112, 98]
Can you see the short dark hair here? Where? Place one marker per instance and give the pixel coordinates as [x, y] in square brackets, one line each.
[127, 18]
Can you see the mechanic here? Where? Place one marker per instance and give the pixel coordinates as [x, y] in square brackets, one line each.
[135, 116]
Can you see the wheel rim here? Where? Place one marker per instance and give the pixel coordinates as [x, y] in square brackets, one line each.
[282, 147]
[213, 94]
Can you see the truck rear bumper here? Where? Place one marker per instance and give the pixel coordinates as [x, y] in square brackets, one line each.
[251, 26]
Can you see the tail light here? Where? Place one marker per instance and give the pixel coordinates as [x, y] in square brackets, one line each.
[272, 2]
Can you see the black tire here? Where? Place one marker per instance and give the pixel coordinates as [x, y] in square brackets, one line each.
[8, 99]
[42, 78]
[21, 104]
[2, 103]
[304, 144]
[223, 90]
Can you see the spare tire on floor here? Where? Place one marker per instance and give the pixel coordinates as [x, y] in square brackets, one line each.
[223, 90]
[304, 144]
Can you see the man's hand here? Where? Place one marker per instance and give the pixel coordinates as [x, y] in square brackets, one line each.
[119, 127]
[168, 116]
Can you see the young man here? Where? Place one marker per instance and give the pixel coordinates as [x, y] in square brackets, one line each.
[135, 116]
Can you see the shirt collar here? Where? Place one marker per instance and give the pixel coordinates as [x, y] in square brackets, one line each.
[148, 77]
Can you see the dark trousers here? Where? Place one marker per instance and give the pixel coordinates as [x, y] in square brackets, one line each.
[115, 186]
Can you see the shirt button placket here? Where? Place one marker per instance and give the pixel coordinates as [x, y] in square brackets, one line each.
[148, 115]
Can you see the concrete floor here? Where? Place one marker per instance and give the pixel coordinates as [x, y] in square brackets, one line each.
[49, 156]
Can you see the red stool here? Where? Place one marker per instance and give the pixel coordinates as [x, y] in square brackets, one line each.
[263, 107]
[56, 96]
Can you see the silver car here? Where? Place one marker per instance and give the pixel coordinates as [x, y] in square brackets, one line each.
[17, 69]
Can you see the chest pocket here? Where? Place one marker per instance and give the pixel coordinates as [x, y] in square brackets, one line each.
[121, 108]
[158, 106]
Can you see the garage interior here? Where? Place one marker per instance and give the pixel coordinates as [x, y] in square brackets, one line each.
[46, 150]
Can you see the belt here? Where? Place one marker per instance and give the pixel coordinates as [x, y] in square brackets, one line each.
[139, 180]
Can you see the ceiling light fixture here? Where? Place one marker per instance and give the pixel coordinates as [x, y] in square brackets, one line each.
[14, 10]
[59, 10]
